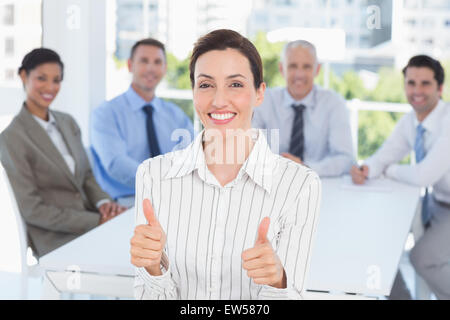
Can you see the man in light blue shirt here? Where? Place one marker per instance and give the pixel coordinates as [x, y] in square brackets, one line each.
[313, 123]
[136, 125]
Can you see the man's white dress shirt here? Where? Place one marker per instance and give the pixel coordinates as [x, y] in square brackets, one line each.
[328, 148]
[209, 226]
[434, 169]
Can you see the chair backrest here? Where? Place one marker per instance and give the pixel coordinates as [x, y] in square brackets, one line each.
[13, 237]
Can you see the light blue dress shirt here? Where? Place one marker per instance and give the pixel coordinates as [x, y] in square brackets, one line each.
[328, 146]
[119, 138]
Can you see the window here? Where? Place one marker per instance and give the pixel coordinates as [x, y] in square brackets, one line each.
[9, 74]
[333, 22]
[287, 3]
[411, 4]
[428, 23]
[436, 4]
[410, 22]
[9, 47]
[20, 32]
[428, 41]
[8, 14]
[283, 20]
[350, 39]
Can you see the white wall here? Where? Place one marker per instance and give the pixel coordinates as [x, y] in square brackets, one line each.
[11, 100]
[76, 29]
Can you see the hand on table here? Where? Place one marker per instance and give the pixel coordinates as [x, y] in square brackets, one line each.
[262, 262]
[148, 242]
[359, 174]
[292, 157]
[109, 210]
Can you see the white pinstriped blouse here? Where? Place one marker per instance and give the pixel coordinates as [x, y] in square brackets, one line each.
[209, 226]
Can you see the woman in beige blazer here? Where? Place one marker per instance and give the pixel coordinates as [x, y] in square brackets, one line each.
[43, 155]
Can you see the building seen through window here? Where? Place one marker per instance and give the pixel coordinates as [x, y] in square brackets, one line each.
[20, 31]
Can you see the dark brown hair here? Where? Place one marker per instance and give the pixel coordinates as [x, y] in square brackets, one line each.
[223, 39]
[421, 61]
[148, 42]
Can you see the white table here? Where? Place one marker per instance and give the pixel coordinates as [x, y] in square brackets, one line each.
[361, 235]
[359, 241]
[98, 262]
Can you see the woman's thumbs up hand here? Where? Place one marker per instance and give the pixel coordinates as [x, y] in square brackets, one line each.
[148, 241]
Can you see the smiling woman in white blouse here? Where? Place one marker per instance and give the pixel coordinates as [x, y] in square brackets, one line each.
[224, 218]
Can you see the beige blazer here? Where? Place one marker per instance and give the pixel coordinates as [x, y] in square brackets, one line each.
[56, 205]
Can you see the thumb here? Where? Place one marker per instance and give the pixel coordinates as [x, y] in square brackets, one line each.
[262, 230]
[149, 213]
[366, 171]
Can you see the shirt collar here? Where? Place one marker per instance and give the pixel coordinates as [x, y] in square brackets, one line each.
[137, 102]
[307, 101]
[430, 123]
[46, 125]
[259, 166]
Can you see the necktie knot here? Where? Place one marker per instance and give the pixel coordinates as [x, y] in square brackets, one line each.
[298, 107]
[420, 130]
[148, 109]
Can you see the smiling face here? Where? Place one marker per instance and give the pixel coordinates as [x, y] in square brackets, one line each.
[224, 91]
[41, 85]
[299, 70]
[148, 66]
[422, 90]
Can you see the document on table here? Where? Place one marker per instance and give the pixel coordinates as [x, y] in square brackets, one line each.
[371, 185]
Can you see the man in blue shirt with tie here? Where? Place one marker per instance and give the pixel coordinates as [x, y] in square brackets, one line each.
[426, 131]
[313, 122]
[136, 125]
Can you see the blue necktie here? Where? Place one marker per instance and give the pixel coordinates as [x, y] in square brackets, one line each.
[419, 149]
[152, 140]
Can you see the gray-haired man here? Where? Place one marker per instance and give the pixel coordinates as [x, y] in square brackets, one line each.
[313, 123]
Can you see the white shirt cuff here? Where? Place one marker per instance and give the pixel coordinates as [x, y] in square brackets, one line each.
[374, 170]
[102, 202]
[160, 284]
[391, 171]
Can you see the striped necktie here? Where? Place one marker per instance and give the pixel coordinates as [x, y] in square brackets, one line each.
[152, 140]
[419, 150]
[297, 144]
